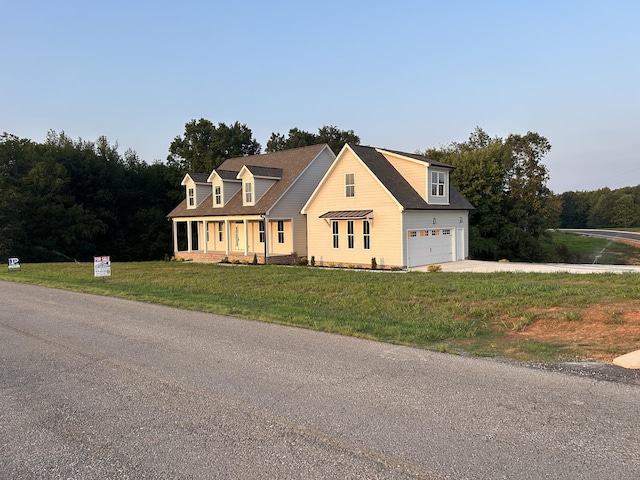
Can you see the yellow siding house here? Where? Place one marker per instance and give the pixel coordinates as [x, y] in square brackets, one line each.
[249, 206]
[397, 208]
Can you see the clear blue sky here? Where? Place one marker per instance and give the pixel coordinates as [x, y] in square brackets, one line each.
[407, 75]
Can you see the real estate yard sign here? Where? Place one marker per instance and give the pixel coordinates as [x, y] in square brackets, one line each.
[102, 266]
[14, 263]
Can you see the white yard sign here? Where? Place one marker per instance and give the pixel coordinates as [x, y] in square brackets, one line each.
[101, 266]
[14, 262]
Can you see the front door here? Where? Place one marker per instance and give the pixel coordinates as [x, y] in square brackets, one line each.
[238, 236]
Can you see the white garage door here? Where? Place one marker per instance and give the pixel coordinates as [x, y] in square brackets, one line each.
[429, 246]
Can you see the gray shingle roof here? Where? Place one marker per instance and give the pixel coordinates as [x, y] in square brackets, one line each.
[268, 172]
[227, 174]
[291, 164]
[399, 187]
[422, 158]
[199, 177]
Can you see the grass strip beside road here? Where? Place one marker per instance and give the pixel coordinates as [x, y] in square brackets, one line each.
[478, 314]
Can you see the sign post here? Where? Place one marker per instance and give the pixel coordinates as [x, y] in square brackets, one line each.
[102, 266]
[14, 263]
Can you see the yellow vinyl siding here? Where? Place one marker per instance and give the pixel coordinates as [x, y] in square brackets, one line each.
[413, 172]
[280, 248]
[385, 231]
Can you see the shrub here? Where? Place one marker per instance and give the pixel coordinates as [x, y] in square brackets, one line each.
[303, 262]
[313, 261]
[434, 268]
[374, 264]
[255, 259]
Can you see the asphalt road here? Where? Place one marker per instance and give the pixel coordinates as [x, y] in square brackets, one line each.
[94, 387]
[634, 236]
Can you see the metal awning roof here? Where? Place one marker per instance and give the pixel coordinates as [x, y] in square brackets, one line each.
[347, 214]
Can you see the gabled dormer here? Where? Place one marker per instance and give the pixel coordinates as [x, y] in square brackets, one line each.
[224, 185]
[430, 179]
[438, 185]
[256, 181]
[197, 188]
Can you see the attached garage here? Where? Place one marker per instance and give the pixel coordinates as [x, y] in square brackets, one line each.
[429, 246]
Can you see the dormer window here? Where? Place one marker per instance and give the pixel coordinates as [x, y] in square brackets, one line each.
[191, 194]
[218, 195]
[248, 193]
[438, 184]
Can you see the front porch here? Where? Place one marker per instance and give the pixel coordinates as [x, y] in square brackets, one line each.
[212, 240]
[217, 257]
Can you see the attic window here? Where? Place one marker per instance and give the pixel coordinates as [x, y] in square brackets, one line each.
[218, 195]
[192, 197]
[350, 185]
[438, 184]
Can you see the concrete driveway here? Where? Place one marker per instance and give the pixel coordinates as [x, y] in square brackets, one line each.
[485, 267]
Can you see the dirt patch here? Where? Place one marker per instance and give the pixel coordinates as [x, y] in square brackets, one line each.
[599, 332]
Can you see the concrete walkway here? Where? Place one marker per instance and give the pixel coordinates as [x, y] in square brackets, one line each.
[486, 267]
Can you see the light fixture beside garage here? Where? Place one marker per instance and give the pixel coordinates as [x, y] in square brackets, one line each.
[434, 220]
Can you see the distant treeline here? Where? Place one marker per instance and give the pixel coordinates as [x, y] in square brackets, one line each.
[604, 208]
[65, 200]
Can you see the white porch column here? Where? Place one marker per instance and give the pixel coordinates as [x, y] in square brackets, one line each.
[174, 225]
[206, 236]
[246, 237]
[189, 236]
[266, 236]
[226, 237]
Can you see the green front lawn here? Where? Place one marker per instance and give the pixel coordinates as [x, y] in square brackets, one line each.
[455, 312]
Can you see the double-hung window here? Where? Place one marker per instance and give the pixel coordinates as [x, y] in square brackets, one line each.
[221, 232]
[218, 195]
[350, 185]
[280, 231]
[261, 230]
[248, 193]
[335, 229]
[351, 241]
[366, 234]
[192, 197]
[438, 184]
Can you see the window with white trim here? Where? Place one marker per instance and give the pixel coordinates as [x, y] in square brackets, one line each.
[351, 239]
[438, 184]
[248, 194]
[191, 193]
[261, 231]
[366, 234]
[280, 231]
[218, 195]
[335, 229]
[350, 185]
[221, 232]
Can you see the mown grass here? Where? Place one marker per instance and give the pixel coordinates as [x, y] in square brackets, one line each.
[583, 249]
[454, 312]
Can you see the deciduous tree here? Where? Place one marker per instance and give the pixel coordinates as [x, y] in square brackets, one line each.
[205, 146]
[330, 135]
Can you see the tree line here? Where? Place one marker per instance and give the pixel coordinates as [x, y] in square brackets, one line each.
[603, 208]
[66, 199]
